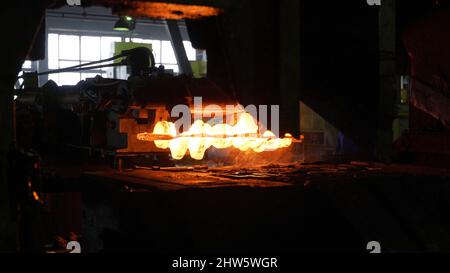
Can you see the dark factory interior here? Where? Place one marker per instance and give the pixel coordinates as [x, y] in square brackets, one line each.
[336, 139]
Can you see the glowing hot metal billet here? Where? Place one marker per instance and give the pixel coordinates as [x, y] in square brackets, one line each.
[201, 136]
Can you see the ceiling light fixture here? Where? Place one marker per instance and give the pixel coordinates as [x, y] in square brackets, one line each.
[125, 23]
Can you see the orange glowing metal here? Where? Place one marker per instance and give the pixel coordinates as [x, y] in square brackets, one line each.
[173, 11]
[36, 196]
[201, 136]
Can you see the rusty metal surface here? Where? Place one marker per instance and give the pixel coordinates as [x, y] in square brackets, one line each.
[274, 175]
[175, 179]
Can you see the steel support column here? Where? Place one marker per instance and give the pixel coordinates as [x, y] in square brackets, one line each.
[178, 47]
[389, 81]
[289, 66]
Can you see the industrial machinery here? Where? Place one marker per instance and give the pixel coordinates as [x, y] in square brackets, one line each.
[123, 131]
[120, 119]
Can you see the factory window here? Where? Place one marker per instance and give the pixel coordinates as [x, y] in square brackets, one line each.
[27, 66]
[69, 50]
